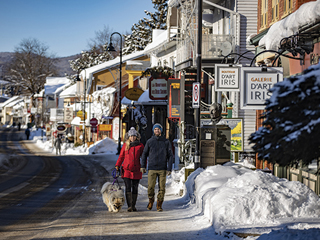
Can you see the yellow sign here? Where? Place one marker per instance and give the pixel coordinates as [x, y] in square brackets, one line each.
[175, 85]
[80, 115]
[133, 93]
[105, 127]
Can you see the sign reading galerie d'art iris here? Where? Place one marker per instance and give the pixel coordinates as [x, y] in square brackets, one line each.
[255, 85]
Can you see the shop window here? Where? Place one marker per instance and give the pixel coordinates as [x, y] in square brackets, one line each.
[275, 10]
[287, 7]
[263, 14]
[100, 87]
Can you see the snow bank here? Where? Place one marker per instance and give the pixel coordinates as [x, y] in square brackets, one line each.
[232, 196]
[290, 234]
[37, 133]
[106, 145]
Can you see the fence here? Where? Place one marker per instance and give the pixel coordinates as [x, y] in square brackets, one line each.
[305, 176]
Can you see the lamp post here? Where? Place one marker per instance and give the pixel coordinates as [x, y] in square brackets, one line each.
[84, 102]
[112, 49]
[197, 162]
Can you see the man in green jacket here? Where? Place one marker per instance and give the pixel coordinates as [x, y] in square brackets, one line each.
[160, 158]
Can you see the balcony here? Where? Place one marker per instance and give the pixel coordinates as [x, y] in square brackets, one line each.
[214, 47]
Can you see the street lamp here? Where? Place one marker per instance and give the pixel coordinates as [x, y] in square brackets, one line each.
[112, 49]
[84, 102]
[197, 160]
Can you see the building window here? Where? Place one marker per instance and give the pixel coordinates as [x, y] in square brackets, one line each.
[275, 10]
[100, 87]
[264, 13]
[287, 7]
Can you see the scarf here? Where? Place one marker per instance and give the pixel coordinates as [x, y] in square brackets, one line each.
[135, 143]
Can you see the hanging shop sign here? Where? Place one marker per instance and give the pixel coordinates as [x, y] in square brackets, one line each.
[105, 127]
[174, 98]
[80, 115]
[61, 128]
[255, 85]
[68, 114]
[158, 88]
[227, 77]
[115, 128]
[133, 93]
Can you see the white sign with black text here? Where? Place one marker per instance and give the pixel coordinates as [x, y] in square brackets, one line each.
[255, 85]
[227, 77]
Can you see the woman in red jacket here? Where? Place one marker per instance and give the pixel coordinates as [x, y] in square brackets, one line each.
[129, 158]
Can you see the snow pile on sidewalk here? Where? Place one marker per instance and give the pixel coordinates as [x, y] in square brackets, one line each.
[291, 234]
[104, 146]
[232, 197]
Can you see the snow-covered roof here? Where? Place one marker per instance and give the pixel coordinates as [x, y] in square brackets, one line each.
[19, 105]
[88, 72]
[5, 104]
[160, 39]
[76, 121]
[13, 103]
[40, 94]
[3, 82]
[54, 83]
[69, 91]
[307, 14]
[143, 100]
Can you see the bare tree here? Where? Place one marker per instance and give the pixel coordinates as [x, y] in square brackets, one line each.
[102, 39]
[29, 67]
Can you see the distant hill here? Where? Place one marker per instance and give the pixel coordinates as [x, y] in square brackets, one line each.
[62, 63]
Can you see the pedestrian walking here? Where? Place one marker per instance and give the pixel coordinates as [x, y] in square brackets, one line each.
[129, 159]
[19, 126]
[27, 132]
[160, 157]
[57, 145]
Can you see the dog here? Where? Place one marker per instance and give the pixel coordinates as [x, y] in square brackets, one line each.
[113, 196]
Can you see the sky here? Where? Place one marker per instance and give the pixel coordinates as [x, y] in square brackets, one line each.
[66, 26]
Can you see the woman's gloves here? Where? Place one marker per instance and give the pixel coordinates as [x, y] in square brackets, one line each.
[143, 170]
[117, 167]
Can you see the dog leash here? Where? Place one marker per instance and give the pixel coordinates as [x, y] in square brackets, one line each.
[115, 175]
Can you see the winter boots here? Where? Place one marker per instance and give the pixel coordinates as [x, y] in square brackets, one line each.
[129, 201]
[134, 201]
[150, 204]
[159, 206]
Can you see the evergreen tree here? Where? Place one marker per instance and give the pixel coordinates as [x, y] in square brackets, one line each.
[141, 32]
[292, 121]
[90, 58]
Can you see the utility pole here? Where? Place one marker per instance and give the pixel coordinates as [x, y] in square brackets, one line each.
[199, 59]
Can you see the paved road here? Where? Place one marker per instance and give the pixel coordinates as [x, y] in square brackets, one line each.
[60, 199]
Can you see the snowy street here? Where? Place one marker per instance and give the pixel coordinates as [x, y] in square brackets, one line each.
[221, 202]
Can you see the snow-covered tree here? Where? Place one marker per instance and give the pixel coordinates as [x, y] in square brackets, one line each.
[292, 121]
[89, 59]
[141, 32]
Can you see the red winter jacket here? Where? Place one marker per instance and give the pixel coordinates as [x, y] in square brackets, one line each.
[130, 161]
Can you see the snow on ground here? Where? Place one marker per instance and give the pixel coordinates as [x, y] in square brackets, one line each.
[232, 197]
